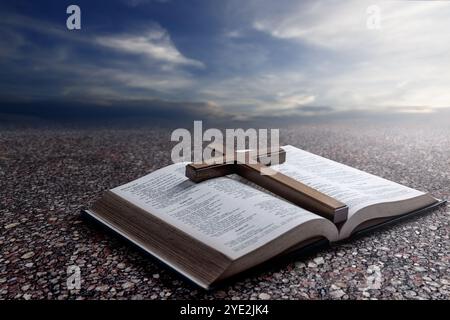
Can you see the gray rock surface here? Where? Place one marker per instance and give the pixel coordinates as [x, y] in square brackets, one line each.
[47, 175]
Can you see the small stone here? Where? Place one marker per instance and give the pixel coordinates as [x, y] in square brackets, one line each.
[27, 296]
[433, 284]
[156, 276]
[312, 265]
[434, 228]
[127, 285]
[102, 288]
[11, 225]
[221, 294]
[410, 294]
[121, 266]
[334, 287]
[319, 260]
[337, 294]
[27, 255]
[420, 269]
[264, 296]
[29, 264]
[25, 287]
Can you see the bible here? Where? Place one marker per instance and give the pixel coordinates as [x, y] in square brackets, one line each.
[218, 228]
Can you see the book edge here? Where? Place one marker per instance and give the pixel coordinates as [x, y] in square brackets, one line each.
[392, 221]
[137, 243]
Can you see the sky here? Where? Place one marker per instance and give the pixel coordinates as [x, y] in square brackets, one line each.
[230, 59]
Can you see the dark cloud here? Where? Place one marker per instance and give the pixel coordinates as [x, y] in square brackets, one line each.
[59, 110]
[136, 3]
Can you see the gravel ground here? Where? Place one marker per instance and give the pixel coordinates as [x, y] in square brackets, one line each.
[46, 176]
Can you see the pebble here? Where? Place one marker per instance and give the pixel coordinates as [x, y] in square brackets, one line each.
[25, 287]
[337, 294]
[264, 296]
[420, 269]
[102, 288]
[127, 285]
[11, 225]
[410, 294]
[220, 294]
[27, 255]
[319, 260]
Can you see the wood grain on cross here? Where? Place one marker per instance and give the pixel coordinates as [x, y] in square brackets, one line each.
[259, 173]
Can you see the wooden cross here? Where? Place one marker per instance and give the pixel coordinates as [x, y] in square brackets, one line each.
[274, 181]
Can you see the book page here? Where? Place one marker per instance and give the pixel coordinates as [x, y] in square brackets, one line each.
[226, 214]
[351, 186]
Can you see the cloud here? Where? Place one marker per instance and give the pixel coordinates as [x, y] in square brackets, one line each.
[274, 93]
[136, 3]
[10, 43]
[339, 26]
[137, 109]
[108, 73]
[396, 66]
[234, 34]
[154, 44]
[293, 101]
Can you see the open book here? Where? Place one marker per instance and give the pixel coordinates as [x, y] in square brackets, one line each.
[218, 228]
